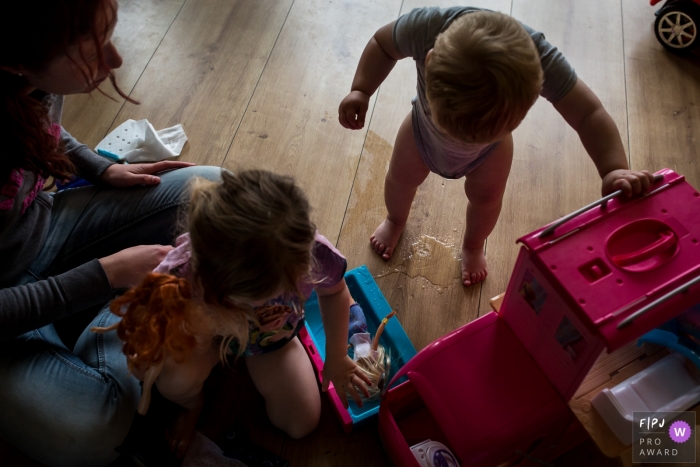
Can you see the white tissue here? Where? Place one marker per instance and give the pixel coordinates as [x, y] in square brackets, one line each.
[138, 141]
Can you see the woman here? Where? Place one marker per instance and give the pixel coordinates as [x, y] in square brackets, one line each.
[62, 257]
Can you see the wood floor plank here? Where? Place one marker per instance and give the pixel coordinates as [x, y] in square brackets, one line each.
[205, 71]
[292, 126]
[663, 97]
[552, 174]
[140, 28]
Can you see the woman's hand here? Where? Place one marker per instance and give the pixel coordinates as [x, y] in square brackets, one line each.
[126, 175]
[128, 267]
[630, 182]
[345, 376]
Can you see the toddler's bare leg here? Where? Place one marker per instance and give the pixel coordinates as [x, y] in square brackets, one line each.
[181, 432]
[484, 188]
[406, 172]
[182, 383]
[286, 380]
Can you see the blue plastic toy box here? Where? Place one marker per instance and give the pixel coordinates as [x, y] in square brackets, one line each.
[366, 293]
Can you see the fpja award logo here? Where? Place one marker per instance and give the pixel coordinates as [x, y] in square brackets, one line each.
[667, 437]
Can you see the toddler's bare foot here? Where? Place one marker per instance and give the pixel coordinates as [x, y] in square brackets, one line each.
[473, 266]
[385, 238]
[181, 432]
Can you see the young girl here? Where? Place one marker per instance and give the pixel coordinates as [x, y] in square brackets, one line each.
[238, 280]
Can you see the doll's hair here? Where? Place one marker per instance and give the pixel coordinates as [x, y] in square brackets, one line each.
[482, 77]
[158, 318]
[377, 370]
[251, 237]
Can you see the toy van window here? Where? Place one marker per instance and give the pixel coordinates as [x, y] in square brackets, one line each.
[532, 292]
[570, 339]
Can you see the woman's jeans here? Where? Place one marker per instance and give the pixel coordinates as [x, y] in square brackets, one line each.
[72, 407]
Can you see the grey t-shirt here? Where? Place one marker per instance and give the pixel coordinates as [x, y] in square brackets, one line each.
[414, 35]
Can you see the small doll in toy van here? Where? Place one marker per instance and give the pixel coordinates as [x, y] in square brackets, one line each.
[373, 359]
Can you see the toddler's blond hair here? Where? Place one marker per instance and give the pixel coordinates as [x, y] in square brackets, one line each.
[482, 77]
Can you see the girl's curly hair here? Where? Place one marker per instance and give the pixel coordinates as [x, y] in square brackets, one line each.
[156, 320]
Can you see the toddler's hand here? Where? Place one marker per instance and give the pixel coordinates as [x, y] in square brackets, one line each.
[352, 110]
[346, 376]
[630, 182]
[128, 267]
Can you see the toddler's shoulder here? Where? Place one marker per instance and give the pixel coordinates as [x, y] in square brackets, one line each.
[415, 32]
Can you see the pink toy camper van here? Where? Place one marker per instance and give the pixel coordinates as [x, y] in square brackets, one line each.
[495, 391]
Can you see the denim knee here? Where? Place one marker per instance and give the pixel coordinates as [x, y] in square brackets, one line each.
[60, 412]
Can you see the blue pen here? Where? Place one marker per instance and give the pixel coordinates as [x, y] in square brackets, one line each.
[111, 155]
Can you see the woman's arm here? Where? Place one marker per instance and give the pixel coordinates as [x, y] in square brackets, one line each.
[96, 169]
[27, 307]
[90, 166]
[31, 306]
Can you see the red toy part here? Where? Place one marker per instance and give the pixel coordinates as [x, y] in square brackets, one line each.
[654, 2]
[481, 408]
[676, 25]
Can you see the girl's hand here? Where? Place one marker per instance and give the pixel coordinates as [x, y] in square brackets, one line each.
[353, 109]
[126, 175]
[630, 182]
[346, 376]
[128, 267]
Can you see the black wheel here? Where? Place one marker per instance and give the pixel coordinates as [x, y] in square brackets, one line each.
[676, 26]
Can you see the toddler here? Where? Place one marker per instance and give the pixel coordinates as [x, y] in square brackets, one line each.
[237, 281]
[479, 72]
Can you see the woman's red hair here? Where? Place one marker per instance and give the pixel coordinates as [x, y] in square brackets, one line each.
[156, 320]
[32, 33]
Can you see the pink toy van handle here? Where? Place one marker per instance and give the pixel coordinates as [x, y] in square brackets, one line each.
[682, 289]
[667, 240]
[601, 202]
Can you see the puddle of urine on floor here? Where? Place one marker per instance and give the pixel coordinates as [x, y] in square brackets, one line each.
[431, 259]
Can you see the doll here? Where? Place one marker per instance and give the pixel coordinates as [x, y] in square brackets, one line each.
[372, 358]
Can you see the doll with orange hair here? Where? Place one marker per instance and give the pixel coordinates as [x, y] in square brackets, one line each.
[167, 339]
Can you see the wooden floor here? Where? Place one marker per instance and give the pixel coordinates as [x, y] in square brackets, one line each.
[257, 83]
